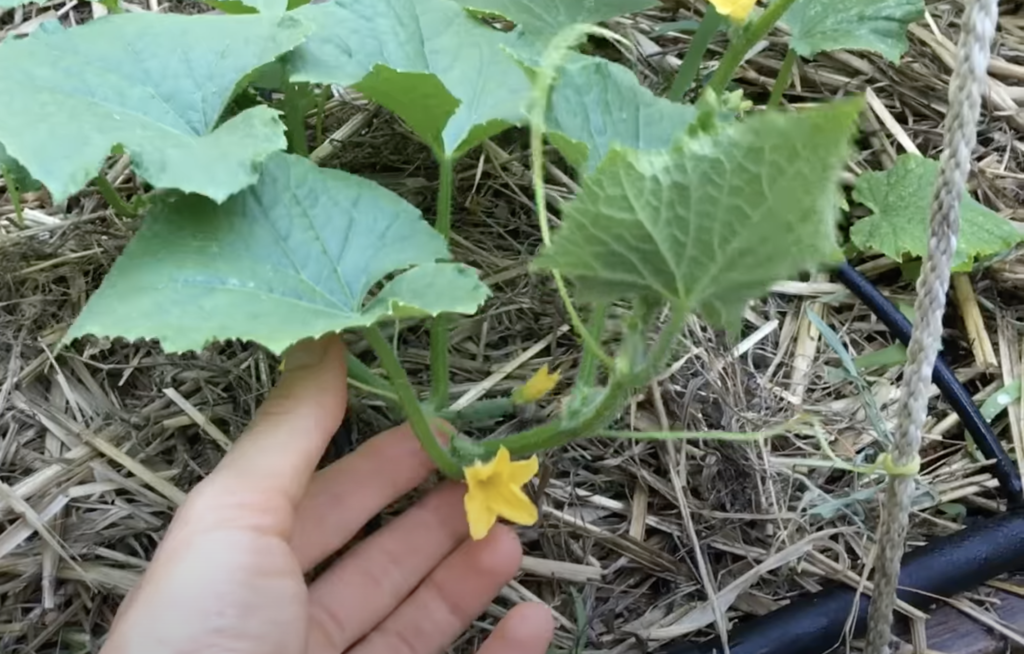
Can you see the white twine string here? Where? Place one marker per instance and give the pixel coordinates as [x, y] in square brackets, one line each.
[967, 86]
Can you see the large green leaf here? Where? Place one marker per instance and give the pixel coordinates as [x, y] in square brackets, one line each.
[545, 18]
[712, 221]
[596, 105]
[901, 200]
[878, 25]
[443, 72]
[155, 84]
[295, 255]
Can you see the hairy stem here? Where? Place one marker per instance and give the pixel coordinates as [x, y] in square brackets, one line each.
[296, 102]
[441, 324]
[695, 55]
[782, 81]
[587, 375]
[359, 374]
[736, 51]
[113, 199]
[321, 105]
[411, 405]
[541, 90]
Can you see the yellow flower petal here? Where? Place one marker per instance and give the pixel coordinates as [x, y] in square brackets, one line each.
[536, 387]
[735, 9]
[521, 472]
[494, 489]
[479, 515]
[481, 472]
[515, 506]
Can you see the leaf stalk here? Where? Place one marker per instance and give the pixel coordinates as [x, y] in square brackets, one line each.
[411, 404]
[439, 327]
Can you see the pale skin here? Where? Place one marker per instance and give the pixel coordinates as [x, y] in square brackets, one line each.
[228, 576]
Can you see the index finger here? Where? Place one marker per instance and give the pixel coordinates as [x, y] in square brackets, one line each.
[280, 449]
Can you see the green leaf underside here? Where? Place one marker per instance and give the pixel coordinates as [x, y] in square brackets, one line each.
[877, 25]
[545, 18]
[387, 47]
[597, 104]
[901, 200]
[155, 84]
[293, 256]
[711, 222]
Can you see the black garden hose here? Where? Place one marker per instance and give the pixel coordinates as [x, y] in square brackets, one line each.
[952, 390]
[817, 623]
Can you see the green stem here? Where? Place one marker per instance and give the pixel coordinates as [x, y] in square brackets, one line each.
[695, 54]
[296, 103]
[738, 49]
[443, 223]
[15, 194]
[658, 356]
[411, 404]
[782, 81]
[481, 413]
[441, 324]
[587, 375]
[115, 201]
[360, 375]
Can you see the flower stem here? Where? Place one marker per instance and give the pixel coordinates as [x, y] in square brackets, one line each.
[14, 193]
[411, 404]
[694, 55]
[782, 81]
[439, 327]
[113, 199]
[297, 100]
[739, 48]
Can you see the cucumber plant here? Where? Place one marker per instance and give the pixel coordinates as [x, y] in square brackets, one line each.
[685, 207]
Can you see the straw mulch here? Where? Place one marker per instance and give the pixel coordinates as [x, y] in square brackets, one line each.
[639, 542]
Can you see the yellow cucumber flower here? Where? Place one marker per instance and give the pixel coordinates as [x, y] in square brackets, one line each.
[537, 387]
[737, 10]
[495, 491]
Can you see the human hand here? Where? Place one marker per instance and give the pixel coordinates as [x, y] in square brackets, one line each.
[228, 576]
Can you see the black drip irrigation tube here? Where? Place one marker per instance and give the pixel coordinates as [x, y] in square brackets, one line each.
[817, 623]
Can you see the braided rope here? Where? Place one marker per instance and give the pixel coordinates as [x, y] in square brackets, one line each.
[968, 84]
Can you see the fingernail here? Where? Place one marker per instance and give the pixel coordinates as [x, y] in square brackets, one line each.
[307, 353]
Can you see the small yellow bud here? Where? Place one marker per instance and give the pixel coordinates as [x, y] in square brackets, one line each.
[537, 387]
[737, 10]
